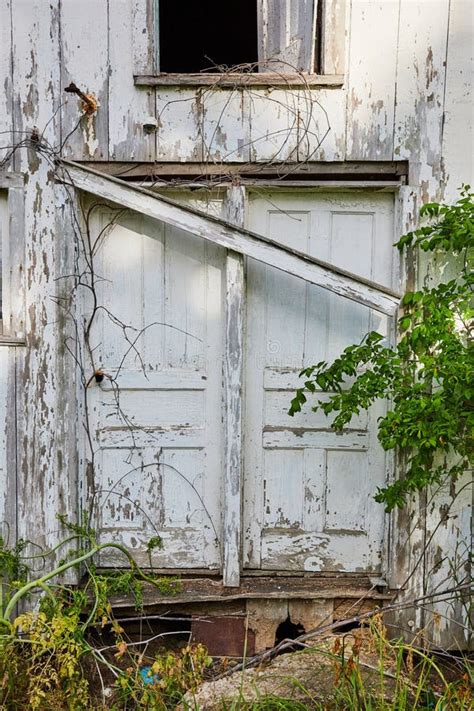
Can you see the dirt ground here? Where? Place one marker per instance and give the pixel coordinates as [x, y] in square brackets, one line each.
[308, 675]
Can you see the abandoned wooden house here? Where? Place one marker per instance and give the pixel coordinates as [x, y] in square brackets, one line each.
[196, 201]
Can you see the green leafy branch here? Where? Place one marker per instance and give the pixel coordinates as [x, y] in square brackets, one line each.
[428, 377]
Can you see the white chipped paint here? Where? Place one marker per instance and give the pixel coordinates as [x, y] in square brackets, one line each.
[308, 488]
[163, 476]
[406, 88]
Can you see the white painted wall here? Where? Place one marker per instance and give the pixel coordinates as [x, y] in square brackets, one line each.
[408, 72]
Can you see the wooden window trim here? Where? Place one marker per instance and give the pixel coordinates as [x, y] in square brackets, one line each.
[231, 80]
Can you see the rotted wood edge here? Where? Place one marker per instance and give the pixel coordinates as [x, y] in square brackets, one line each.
[199, 590]
[231, 237]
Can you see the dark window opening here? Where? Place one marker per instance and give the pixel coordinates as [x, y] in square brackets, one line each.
[198, 36]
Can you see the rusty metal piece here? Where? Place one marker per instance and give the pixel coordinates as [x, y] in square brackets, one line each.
[88, 101]
[224, 636]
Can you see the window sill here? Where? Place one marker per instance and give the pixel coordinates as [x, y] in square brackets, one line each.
[230, 80]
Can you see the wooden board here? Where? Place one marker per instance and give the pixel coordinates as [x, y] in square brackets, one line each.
[208, 590]
[225, 81]
[128, 139]
[421, 69]
[372, 78]
[286, 31]
[343, 170]
[85, 62]
[234, 210]
[36, 69]
[6, 107]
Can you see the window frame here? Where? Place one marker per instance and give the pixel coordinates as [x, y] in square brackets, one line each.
[327, 64]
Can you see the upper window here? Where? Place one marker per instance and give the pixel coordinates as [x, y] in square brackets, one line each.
[207, 35]
[244, 35]
[298, 42]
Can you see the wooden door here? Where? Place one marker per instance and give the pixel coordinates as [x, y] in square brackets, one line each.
[308, 491]
[157, 425]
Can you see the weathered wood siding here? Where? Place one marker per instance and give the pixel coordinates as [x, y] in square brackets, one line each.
[391, 105]
[405, 94]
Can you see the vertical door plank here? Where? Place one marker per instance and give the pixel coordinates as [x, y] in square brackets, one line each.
[372, 72]
[233, 377]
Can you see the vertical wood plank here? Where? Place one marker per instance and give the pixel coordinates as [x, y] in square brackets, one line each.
[407, 534]
[458, 133]
[13, 260]
[128, 106]
[225, 125]
[180, 124]
[6, 115]
[286, 31]
[333, 40]
[233, 378]
[418, 130]
[8, 442]
[450, 513]
[85, 61]
[40, 469]
[371, 81]
[144, 24]
[420, 93]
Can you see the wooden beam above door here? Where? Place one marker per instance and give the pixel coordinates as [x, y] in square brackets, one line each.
[374, 171]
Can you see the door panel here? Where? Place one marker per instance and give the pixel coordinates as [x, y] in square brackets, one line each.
[307, 490]
[156, 417]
